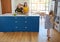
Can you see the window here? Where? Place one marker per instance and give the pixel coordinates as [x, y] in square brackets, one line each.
[39, 5]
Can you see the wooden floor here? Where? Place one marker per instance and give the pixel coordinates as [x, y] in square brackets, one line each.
[19, 37]
[28, 37]
[55, 36]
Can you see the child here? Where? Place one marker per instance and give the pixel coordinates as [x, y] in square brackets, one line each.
[49, 22]
[19, 8]
[25, 8]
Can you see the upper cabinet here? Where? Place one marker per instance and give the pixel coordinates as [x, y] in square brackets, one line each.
[58, 9]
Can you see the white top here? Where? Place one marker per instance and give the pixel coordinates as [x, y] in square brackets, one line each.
[10, 14]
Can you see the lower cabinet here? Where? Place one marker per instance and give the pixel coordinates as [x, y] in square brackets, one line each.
[19, 24]
[6, 24]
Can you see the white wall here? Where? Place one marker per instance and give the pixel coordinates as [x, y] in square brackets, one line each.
[0, 8]
[21, 1]
[13, 5]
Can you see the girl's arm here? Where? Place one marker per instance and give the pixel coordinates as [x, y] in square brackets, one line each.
[52, 20]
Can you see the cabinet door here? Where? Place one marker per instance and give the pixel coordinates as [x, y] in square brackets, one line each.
[6, 6]
[6, 24]
[33, 24]
[19, 24]
[10, 23]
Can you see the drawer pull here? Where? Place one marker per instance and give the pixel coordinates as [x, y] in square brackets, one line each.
[25, 17]
[25, 27]
[16, 21]
[16, 27]
[25, 21]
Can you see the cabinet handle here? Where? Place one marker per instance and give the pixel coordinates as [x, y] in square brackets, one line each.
[16, 21]
[25, 17]
[25, 27]
[16, 27]
[25, 21]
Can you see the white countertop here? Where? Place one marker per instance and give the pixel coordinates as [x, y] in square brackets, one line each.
[10, 14]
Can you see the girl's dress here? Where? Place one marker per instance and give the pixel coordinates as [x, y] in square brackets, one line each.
[48, 24]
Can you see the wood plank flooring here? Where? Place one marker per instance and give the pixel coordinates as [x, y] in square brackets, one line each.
[28, 37]
[18, 37]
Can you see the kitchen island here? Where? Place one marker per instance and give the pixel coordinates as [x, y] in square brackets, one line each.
[19, 23]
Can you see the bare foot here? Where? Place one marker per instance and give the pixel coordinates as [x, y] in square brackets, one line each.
[49, 38]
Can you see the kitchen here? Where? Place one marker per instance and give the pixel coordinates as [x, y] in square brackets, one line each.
[24, 28]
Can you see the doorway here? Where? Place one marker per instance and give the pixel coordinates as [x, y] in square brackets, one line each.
[6, 6]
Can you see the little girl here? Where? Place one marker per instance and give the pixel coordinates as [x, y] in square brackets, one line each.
[49, 21]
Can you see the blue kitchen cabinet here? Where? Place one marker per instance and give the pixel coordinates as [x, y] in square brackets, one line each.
[6, 24]
[19, 24]
[33, 24]
[27, 23]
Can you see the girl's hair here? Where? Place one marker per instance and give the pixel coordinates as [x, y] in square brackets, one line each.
[25, 4]
[51, 13]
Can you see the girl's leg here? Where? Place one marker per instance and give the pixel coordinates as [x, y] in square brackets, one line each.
[48, 33]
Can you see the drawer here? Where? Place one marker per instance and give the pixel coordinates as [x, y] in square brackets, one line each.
[20, 23]
[32, 17]
[20, 18]
[6, 19]
[32, 27]
[25, 18]
[33, 23]
[30, 24]
[22, 29]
